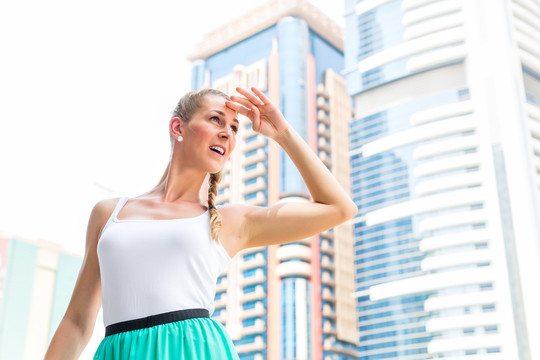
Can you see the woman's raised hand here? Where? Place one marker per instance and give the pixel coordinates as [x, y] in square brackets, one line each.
[265, 117]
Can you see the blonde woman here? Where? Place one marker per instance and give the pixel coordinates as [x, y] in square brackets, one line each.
[152, 261]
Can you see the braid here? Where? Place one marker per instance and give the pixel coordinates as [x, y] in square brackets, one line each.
[215, 216]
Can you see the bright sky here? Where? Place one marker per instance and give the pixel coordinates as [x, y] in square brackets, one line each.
[86, 90]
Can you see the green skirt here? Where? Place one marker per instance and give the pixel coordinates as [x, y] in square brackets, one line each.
[194, 338]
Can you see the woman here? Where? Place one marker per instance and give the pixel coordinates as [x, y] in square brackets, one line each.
[154, 259]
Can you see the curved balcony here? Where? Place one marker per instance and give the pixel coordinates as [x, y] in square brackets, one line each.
[328, 312]
[259, 170]
[222, 286]
[325, 246]
[327, 295]
[259, 156]
[221, 302]
[294, 269]
[294, 252]
[328, 329]
[258, 186]
[259, 310]
[258, 261]
[327, 280]
[258, 328]
[256, 295]
[327, 264]
[254, 144]
[255, 346]
[329, 345]
[258, 278]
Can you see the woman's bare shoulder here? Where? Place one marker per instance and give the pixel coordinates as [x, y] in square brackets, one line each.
[101, 212]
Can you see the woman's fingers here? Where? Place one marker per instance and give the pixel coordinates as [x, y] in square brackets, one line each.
[261, 95]
[250, 96]
[256, 120]
[238, 108]
[245, 102]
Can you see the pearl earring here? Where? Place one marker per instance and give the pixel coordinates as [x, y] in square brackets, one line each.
[179, 138]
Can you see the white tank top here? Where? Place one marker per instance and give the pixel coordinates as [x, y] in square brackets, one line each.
[150, 267]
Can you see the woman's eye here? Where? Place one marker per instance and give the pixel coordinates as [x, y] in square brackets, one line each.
[215, 118]
[235, 129]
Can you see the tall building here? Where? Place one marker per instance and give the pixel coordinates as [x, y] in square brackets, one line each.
[291, 301]
[445, 155]
[36, 282]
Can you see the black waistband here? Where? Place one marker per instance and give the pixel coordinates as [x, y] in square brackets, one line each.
[154, 320]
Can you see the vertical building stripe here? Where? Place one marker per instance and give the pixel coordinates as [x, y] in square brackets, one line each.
[301, 319]
[273, 312]
[314, 243]
[14, 314]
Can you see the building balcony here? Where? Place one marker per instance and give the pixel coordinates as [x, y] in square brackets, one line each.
[321, 91]
[259, 261]
[324, 144]
[221, 302]
[328, 312]
[327, 234]
[328, 296]
[257, 200]
[328, 329]
[258, 278]
[329, 345]
[323, 117]
[255, 346]
[225, 180]
[258, 310]
[259, 156]
[294, 268]
[255, 144]
[294, 252]
[258, 328]
[322, 131]
[326, 263]
[256, 295]
[322, 104]
[327, 280]
[222, 286]
[259, 185]
[223, 197]
[260, 170]
[325, 246]
[222, 318]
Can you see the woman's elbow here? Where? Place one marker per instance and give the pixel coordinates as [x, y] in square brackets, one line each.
[349, 210]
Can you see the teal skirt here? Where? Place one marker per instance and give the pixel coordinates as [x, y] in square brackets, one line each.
[193, 338]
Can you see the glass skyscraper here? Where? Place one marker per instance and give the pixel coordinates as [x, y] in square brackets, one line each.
[445, 156]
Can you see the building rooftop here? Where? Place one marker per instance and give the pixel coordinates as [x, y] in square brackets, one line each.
[263, 17]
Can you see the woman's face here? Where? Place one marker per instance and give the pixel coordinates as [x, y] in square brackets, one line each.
[210, 136]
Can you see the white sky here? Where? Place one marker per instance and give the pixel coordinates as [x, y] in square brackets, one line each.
[86, 90]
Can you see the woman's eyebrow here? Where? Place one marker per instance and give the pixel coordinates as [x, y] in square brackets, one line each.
[223, 114]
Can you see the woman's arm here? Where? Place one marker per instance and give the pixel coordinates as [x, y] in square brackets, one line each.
[77, 325]
[286, 222]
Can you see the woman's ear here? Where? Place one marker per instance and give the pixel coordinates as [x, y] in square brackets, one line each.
[175, 126]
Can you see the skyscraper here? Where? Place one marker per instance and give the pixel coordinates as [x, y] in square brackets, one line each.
[292, 301]
[445, 154]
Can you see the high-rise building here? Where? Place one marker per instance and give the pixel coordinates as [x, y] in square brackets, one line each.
[36, 281]
[291, 301]
[445, 155]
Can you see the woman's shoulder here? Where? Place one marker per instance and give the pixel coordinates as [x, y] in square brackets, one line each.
[104, 208]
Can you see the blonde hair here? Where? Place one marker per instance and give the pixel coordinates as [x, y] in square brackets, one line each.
[188, 105]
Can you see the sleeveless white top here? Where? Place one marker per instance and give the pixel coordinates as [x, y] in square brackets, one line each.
[150, 267]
